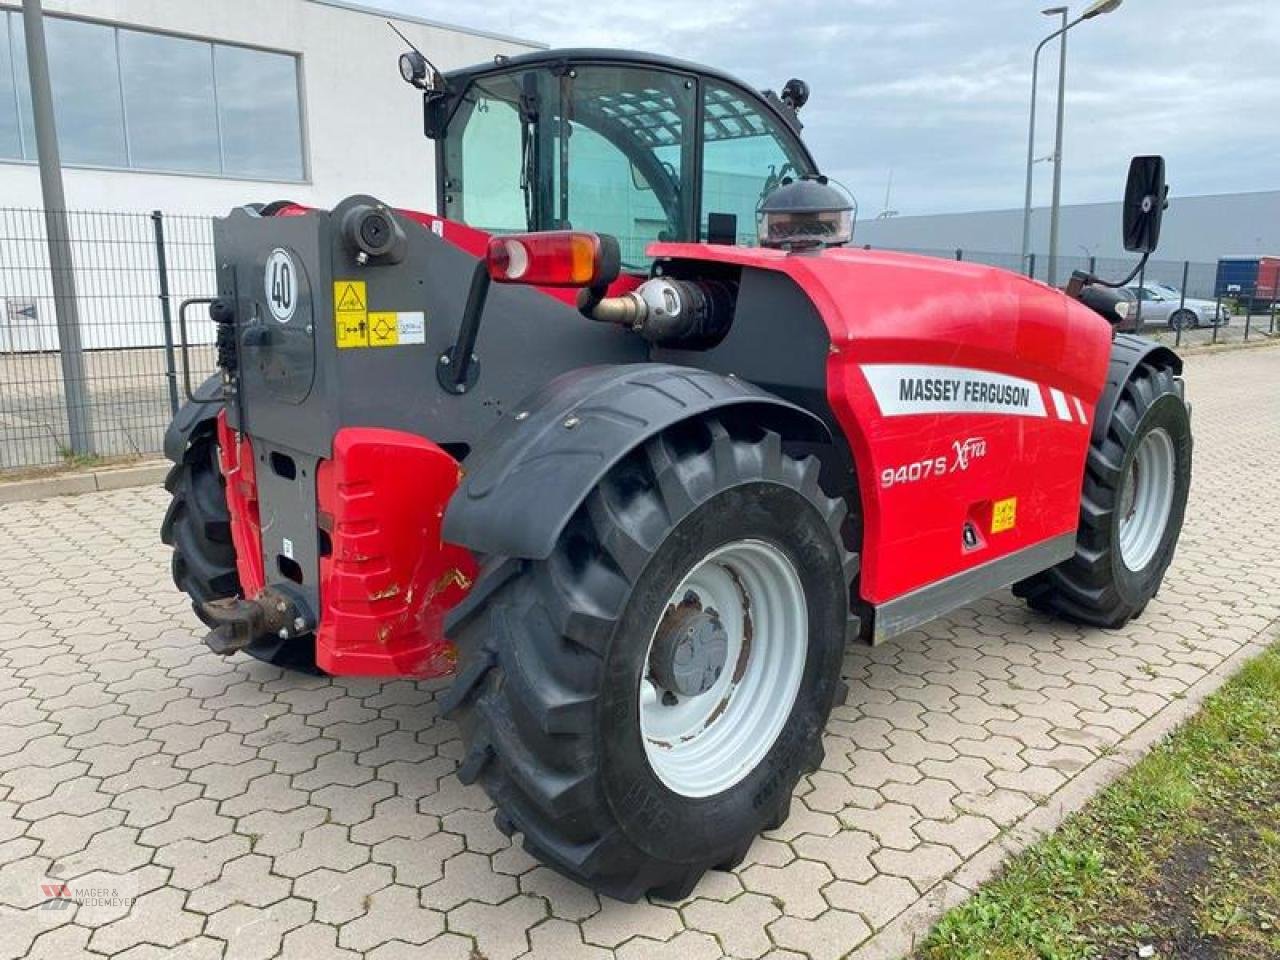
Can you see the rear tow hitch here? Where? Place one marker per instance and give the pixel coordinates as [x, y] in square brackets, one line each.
[280, 611]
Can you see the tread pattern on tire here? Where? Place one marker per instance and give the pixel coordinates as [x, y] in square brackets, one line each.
[1082, 588]
[198, 523]
[532, 638]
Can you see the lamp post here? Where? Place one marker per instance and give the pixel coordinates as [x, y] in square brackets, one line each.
[61, 266]
[1031, 135]
[1096, 9]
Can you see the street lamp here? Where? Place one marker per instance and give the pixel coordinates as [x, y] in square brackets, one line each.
[1095, 9]
[1031, 136]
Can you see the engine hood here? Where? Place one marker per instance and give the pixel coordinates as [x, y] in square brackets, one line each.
[875, 300]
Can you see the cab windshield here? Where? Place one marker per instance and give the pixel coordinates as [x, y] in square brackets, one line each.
[610, 148]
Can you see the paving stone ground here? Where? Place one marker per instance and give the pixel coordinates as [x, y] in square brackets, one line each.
[253, 814]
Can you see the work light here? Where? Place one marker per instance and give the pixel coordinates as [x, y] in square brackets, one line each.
[805, 214]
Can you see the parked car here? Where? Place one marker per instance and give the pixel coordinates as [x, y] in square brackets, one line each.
[1165, 304]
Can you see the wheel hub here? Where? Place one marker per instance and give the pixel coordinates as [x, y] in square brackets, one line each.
[1146, 499]
[690, 649]
[723, 667]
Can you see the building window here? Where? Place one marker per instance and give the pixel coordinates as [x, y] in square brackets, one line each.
[258, 113]
[85, 74]
[148, 101]
[169, 102]
[10, 124]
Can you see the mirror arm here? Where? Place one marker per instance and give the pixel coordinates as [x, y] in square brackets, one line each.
[1127, 280]
[1082, 278]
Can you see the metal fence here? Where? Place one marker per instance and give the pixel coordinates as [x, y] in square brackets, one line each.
[132, 271]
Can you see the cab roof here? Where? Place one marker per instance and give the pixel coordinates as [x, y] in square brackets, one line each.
[565, 56]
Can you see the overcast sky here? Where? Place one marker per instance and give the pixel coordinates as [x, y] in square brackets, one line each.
[938, 90]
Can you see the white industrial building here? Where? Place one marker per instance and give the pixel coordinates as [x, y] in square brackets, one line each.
[195, 106]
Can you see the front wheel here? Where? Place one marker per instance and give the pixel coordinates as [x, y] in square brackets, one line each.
[1136, 483]
[1182, 319]
[641, 704]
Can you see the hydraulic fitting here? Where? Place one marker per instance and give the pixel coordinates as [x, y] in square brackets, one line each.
[693, 314]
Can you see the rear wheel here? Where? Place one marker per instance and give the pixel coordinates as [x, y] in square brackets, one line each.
[641, 704]
[1135, 494]
[198, 527]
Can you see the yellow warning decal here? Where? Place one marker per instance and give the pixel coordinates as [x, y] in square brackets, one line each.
[1004, 515]
[384, 329]
[350, 313]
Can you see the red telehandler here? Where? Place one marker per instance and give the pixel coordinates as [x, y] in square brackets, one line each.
[629, 441]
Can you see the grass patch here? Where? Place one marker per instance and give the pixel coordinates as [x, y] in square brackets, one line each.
[78, 461]
[1182, 853]
[69, 463]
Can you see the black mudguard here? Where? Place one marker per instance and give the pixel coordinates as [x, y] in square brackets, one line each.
[530, 473]
[204, 405]
[1127, 351]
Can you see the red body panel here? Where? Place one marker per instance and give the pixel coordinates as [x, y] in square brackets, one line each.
[389, 578]
[887, 308]
[235, 454]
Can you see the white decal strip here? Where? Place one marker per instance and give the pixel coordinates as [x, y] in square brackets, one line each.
[903, 389]
[1060, 403]
[1080, 410]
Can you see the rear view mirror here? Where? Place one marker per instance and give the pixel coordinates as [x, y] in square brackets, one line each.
[1145, 198]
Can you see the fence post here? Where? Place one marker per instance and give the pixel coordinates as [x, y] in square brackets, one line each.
[1275, 300]
[162, 267]
[1142, 283]
[1093, 264]
[1249, 312]
[1182, 302]
[1217, 309]
[959, 254]
[1031, 265]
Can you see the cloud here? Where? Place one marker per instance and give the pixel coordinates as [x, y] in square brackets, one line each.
[938, 91]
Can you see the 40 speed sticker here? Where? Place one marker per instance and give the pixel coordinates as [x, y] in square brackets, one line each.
[963, 453]
[280, 283]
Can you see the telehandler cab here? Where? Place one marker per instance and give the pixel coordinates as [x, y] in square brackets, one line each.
[633, 478]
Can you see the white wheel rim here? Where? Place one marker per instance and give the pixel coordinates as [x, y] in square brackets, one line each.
[1146, 499]
[701, 745]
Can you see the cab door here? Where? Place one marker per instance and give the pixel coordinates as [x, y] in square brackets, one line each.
[622, 149]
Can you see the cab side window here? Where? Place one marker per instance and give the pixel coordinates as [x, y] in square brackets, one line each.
[491, 182]
[746, 153]
[485, 152]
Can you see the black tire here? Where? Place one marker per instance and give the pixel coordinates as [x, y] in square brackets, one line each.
[1183, 319]
[551, 653]
[1096, 587]
[198, 527]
